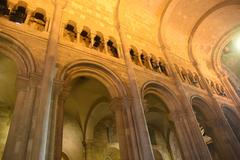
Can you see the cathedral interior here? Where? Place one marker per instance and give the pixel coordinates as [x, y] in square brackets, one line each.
[119, 79]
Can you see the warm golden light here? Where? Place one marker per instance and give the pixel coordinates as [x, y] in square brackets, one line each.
[237, 44]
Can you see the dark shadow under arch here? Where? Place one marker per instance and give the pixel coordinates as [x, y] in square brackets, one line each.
[233, 120]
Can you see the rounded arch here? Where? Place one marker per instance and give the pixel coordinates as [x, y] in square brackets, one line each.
[161, 90]
[218, 50]
[19, 53]
[201, 105]
[95, 70]
[200, 21]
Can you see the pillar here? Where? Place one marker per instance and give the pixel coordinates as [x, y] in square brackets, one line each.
[227, 139]
[41, 122]
[223, 142]
[189, 136]
[16, 146]
[117, 107]
[142, 137]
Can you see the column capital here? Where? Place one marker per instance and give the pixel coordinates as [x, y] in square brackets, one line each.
[116, 104]
[22, 83]
[57, 87]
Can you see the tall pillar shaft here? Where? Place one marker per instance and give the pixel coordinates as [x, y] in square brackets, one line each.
[16, 146]
[198, 148]
[117, 107]
[143, 140]
[228, 145]
[40, 129]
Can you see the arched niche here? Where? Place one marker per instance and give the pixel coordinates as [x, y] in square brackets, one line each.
[70, 31]
[85, 36]
[112, 47]
[203, 115]
[98, 41]
[144, 59]
[233, 120]
[19, 53]
[157, 106]
[19, 13]
[134, 55]
[38, 19]
[87, 113]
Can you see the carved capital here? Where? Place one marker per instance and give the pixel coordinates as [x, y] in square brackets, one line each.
[22, 83]
[57, 87]
[35, 80]
[116, 104]
[64, 93]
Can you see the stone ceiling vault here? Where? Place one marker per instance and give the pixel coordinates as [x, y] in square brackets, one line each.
[189, 28]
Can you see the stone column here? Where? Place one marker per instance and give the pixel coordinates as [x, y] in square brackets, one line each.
[142, 137]
[41, 123]
[187, 120]
[117, 107]
[221, 138]
[17, 141]
[55, 142]
[58, 124]
[231, 144]
[189, 136]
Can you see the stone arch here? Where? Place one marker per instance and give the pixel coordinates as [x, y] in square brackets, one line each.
[19, 53]
[163, 92]
[218, 50]
[202, 106]
[95, 70]
[98, 108]
[18, 64]
[206, 118]
[200, 21]
[169, 105]
[232, 119]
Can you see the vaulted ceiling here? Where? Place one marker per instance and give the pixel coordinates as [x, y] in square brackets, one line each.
[188, 28]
